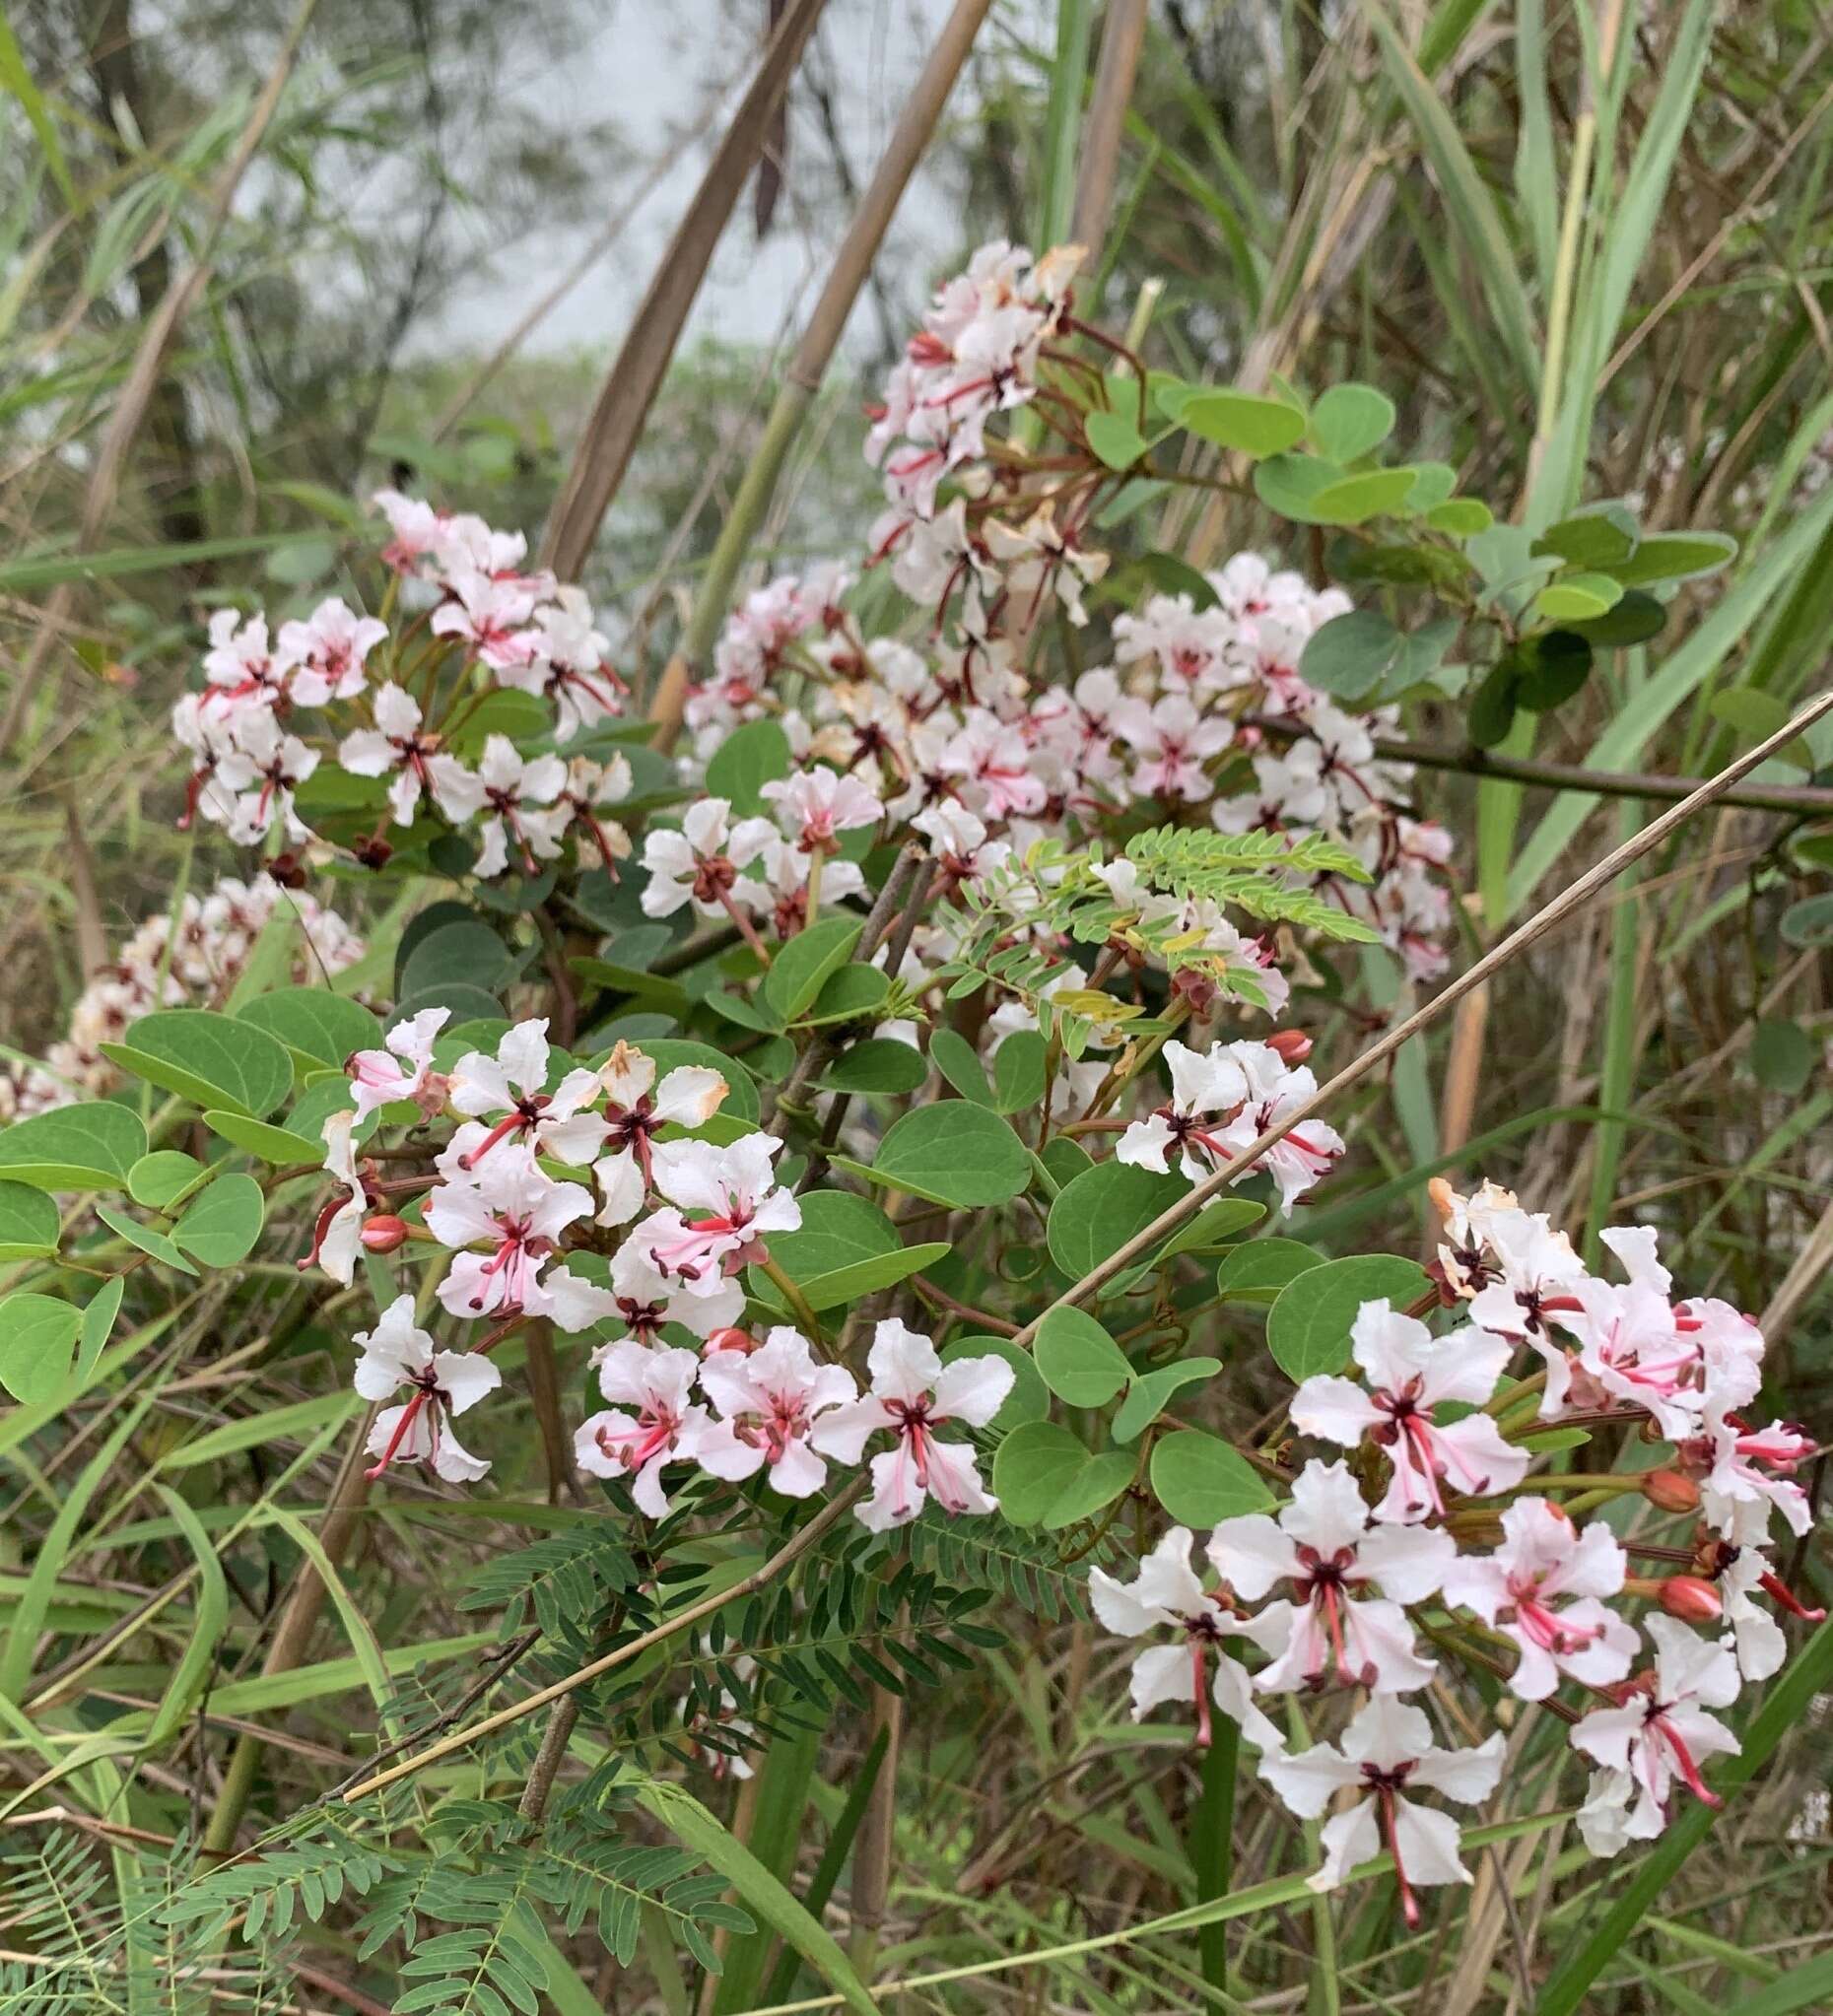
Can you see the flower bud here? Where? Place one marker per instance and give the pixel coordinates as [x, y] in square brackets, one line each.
[737, 1340]
[1443, 1197]
[374, 853]
[1672, 1491]
[1292, 1045]
[385, 1234]
[1691, 1599]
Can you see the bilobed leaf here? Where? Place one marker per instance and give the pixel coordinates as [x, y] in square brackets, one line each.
[320, 1026]
[953, 1153]
[1350, 421]
[1244, 421]
[1149, 1392]
[1018, 1072]
[960, 1064]
[37, 1335]
[221, 1225]
[29, 1223]
[1077, 1360]
[1199, 1479]
[749, 757]
[1099, 1211]
[1288, 483]
[1046, 1476]
[73, 1148]
[213, 1060]
[1308, 1327]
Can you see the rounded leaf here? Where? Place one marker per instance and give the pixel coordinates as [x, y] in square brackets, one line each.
[953, 1153]
[221, 1225]
[1200, 1480]
[1077, 1360]
[1308, 1326]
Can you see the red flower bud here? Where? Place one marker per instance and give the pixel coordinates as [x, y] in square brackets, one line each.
[1293, 1044]
[1672, 1491]
[385, 1234]
[729, 1340]
[1690, 1599]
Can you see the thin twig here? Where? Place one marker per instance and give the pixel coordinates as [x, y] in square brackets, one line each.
[785, 1557]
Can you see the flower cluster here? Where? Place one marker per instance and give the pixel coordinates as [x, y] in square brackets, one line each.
[485, 622]
[195, 966]
[651, 1241]
[1427, 1533]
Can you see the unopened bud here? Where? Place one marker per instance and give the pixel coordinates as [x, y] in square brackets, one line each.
[1672, 1490]
[1691, 1599]
[1443, 1199]
[737, 1340]
[385, 1234]
[374, 853]
[1292, 1044]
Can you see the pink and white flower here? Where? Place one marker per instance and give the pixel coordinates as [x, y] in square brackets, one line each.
[1333, 1624]
[1409, 1374]
[912, 1394]
[1515, 1590]
[637, 1109]
[653, 1420]
[397, 745]
[518, 1215]
[398, 1070]
[770, 1402]
[739, 1202]
[513, 1084]
[488, 615]
[702, 863]
[329, 649]
[1388, 1754]
[1657, 1737]
[1166, 1595]
[399, 1353]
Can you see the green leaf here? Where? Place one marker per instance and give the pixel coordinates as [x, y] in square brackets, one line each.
[155, 1244]
[1077, 1360]
[1146, 1398]
[1351, 499]
[799, 971]
[1258, 1271]
[1244, 421]
[1348, 421]
[320, 1027]
[1602, 538]
[1755, 715]
[97, 1326]
[1099, 1211]
[74, 1148]
[1783, 1056]
[1492, 706]
[37, 1338]
[749, 757]
[1029, 1399]
[1807, 923]
[1018, 1072]
[1578, 598]
[1215, 1224]
[156, 1178]
[959, 1062]
[864, 1277]
[1550, 668]
[763, 1894]
[29, 1223]
[1114, 439]
[210, 1618]
[1045, 1477]
[1199, 1479]
[278, 1145]
[838, 1230]
[1676, 557]
[1170, 575]
[220, 1227]
[1348, 655]
[211, 1059]
[953, 1153]
[853, 993]
[463, 957]
[1308, 1326]
[878, 1064]
[1460, 517]
[1633, 619]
